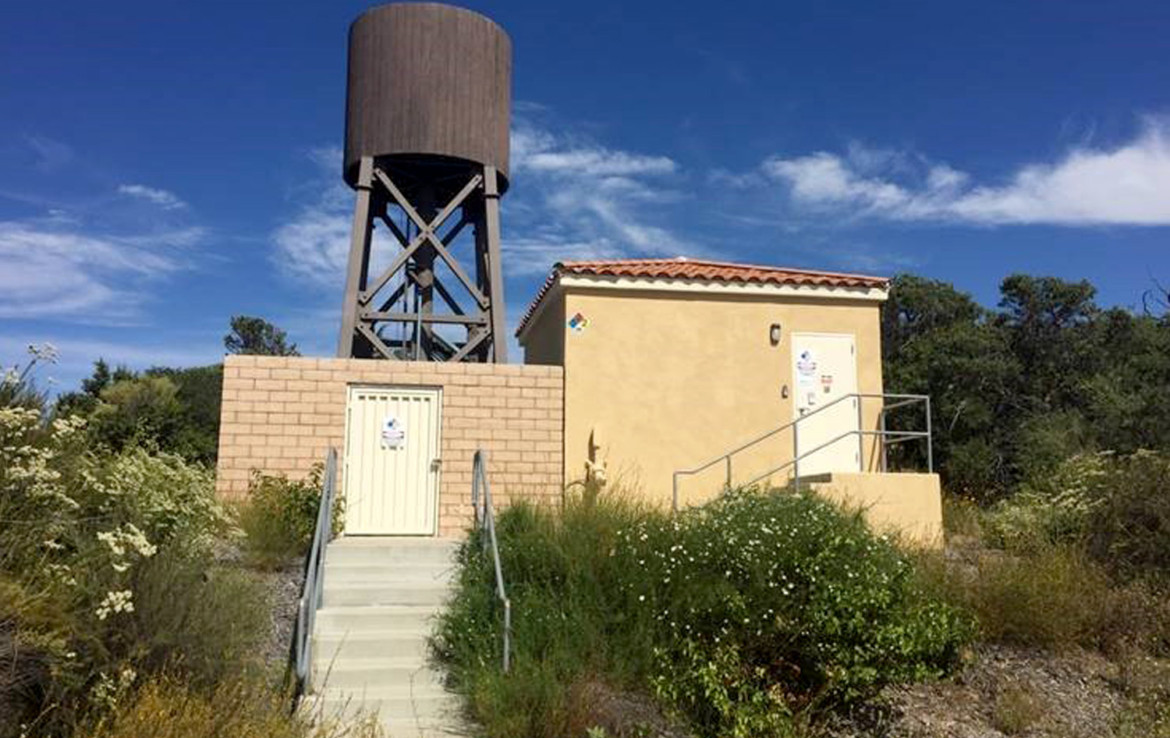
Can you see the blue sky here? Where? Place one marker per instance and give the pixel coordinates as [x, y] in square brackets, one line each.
[166, 165]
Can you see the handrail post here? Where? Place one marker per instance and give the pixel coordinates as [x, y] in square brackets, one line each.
[507, 635]
[796, 454]
[728, 482]
[884, 461]
[860, 437]
[674, 492]
[929, 439]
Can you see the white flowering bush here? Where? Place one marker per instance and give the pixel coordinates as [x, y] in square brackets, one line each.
[108, 555]
[742, 616]
[798, 601]
[1053, 509]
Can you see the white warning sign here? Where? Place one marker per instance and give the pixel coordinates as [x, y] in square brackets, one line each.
[393, 432]
[806, 368]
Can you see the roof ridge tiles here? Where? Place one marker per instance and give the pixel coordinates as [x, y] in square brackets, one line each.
[698, 270]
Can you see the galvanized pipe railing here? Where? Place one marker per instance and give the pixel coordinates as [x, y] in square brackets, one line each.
[485, 522]
[312, 590]
[887, 438]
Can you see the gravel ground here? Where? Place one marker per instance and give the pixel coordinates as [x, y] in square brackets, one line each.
[1003, 691]
[284, 587]
[284, 590]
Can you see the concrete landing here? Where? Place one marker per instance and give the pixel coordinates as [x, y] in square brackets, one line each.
[909, 505]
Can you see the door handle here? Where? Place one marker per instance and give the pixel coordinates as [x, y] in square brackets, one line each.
[436, 464]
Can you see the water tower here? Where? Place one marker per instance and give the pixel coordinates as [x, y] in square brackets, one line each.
[426, 152]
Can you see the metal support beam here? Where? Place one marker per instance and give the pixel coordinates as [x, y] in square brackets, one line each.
[491, 217]
[392, 317]
[359, 256]
[429, 309]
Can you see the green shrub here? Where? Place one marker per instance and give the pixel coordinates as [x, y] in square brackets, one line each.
[961, 517]
[803, 590]
[280, 516]
[132, 411]
[739, 614]
[1130, 529]
[1042, 443]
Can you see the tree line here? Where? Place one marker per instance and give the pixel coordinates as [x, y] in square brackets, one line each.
[168, 408]
[1019, 388]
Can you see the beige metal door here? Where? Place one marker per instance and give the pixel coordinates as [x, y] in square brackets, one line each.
[391, 475]
[824, 369]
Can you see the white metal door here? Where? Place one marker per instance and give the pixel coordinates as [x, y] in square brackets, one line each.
[824, 369]
[391, 476]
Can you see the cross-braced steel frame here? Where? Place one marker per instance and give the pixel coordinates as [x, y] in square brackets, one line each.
[391, 314]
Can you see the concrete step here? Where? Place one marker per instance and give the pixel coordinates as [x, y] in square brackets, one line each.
[338, 620]
[417, 716]
[420, 689]
[423, 704]
[427, 571]
[371, 644]
[429, 716]
[342, 594]
[386, 551]
[355, 676]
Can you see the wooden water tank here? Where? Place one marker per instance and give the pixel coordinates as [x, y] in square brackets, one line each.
[428, 83]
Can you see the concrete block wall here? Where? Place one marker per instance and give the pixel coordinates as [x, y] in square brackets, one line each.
[281, 414]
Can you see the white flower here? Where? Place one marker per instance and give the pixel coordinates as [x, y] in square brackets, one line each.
[115, 602]
[43, 352]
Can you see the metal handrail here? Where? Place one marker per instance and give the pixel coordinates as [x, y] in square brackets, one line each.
[485, 521]
[312, 589]
[888, 438]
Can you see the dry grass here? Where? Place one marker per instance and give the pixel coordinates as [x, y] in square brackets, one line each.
[1017, 709]
[165, 708]
[1055, 598]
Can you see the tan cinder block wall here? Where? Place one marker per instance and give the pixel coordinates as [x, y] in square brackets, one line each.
[907, 504]
[668, 380]
[281, 414]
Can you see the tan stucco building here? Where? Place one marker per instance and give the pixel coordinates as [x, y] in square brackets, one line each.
[671, 363]
[646, 372]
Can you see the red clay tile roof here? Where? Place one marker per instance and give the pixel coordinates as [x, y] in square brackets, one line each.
[698, 270]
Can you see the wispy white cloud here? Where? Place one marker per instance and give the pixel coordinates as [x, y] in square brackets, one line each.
[312, 246]
[537, 150]
[163, 198]
[534, 255]
[1121, 185]
[577, 198]
[54, 268]
[571, 198]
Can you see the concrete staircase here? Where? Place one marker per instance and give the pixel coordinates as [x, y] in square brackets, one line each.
[370, 638]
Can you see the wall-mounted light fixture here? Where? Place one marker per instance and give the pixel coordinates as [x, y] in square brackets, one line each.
[775, 334]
